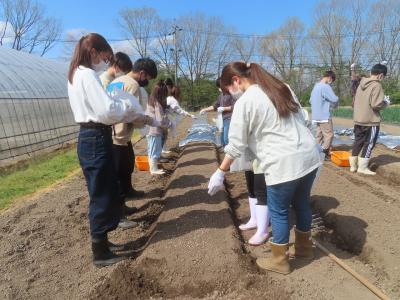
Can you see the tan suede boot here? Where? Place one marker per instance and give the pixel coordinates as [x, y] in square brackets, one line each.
[303, 246]
[279, 262]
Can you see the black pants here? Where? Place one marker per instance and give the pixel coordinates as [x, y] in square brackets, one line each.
[96, 160]
[256, 187]
[124, 159]
[365, 138]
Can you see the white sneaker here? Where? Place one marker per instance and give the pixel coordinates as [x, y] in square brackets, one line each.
[262, 234]
[252, 223]
[165, 151]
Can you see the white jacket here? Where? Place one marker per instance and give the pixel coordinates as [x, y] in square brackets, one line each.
[284, 147]
[90, 102]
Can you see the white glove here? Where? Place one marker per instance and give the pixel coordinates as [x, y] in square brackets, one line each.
[384, 62]
[203, 111]
[353, 66]
[156, 123]
[220, 109]
[193, 116]
[386, 99]
[216, 182]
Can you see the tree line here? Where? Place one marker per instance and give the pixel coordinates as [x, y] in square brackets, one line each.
[195, 47]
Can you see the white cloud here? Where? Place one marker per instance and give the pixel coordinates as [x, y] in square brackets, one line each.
[8, 34]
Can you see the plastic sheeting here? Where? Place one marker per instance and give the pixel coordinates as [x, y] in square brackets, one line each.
[201, 131]
[346, 136]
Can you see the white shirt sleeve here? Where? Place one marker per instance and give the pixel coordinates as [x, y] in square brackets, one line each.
[239, 130]
[107, 110]
[174, 105]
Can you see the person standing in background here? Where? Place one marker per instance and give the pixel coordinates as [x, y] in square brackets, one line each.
[368, 103]
[156, 108]
[224, 105]
[143, 70]
[122, 64]
[322, 100]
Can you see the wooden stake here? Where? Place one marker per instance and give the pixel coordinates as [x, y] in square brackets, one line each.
[359, 277]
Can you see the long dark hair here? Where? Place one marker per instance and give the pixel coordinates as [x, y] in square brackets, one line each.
[277, 91]
[176, 92]
[82, 56]
[159, 95]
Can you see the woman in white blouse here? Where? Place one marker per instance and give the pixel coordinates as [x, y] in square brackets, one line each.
[268, 121]
[95, 111]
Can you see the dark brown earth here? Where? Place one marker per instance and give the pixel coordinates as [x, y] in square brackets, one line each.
[188, 245]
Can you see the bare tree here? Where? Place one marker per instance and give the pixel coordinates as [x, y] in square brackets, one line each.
[70, 40]
[139, 26]
[32, 30]
[285, 47]
[385, 35]
[245, 47]
[162, 45]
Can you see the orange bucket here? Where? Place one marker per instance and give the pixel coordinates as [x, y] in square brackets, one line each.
[142, 163]
[340, 158]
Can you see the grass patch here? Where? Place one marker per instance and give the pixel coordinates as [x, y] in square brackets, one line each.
[36, 174]
[389, 115]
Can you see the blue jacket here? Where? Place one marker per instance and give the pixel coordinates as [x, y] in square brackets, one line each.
[321, 100]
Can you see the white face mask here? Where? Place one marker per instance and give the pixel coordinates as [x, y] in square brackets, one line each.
[100, 67]
[236, 94]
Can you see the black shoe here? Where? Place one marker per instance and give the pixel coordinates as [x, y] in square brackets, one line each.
[129, 210]
[115, 247]
[134, 194]
[102, 256]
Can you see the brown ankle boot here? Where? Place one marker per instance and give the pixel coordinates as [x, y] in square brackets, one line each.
[279, 262]
[303, 245]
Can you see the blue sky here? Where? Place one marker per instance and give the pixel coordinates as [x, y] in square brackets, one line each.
[258, 17]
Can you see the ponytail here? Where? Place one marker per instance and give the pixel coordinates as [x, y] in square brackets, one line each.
[277, 91]
[159, 95]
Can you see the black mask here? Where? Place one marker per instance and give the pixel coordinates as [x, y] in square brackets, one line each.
[143, 83]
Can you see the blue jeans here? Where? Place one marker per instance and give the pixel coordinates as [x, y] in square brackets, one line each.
[154, 146]
[97, 163]
[225, 132]
[280, 196]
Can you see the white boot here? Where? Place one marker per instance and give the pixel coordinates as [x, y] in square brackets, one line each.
[363, 166]
[252, 223]
[353, 163]
[262, 233]
[154, 170]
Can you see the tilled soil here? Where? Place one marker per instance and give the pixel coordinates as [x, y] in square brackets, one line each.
[187, 244]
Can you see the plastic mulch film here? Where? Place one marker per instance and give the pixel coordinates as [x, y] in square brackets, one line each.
[201, 131]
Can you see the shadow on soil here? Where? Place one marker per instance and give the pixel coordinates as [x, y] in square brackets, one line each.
[348, 232]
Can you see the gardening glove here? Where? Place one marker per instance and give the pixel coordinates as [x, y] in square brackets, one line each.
[221, 109]
[384, 62]
[386, 99]
[216, 182]
[353, 66]
[203, 111]
[192, 116]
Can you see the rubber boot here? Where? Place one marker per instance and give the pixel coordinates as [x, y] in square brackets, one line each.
[279, 262]
[102, 256]
[363, 166]
[262, 233]
[252, 223]
[303, 246]
[154, 170]
[353, 163]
